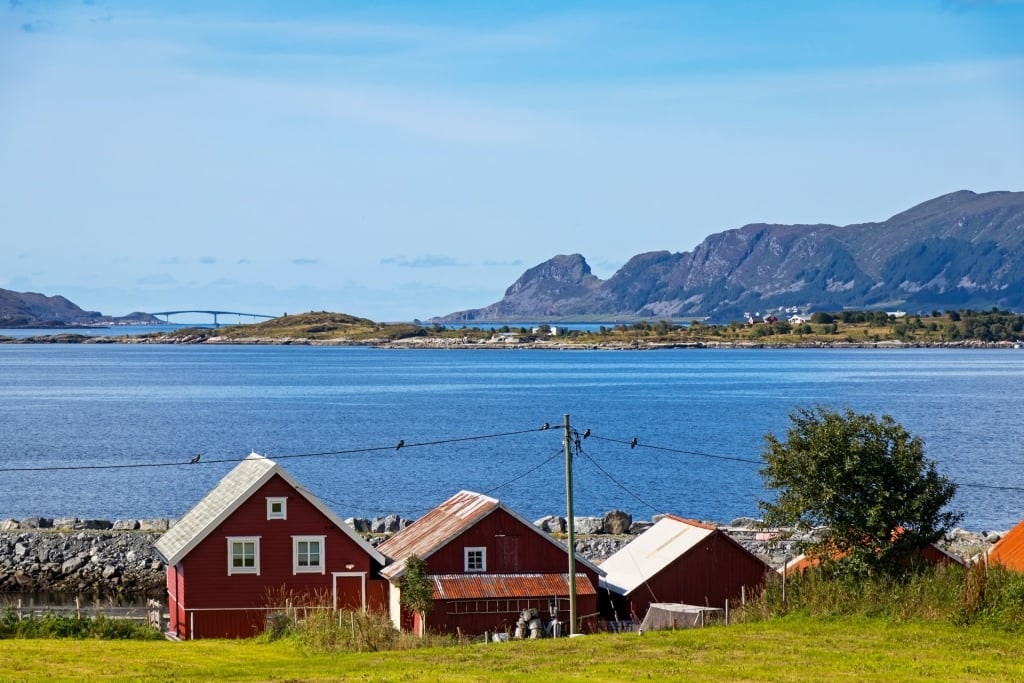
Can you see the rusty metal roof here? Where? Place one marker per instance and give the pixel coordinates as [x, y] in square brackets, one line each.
[434, 529]
[448, 520]
[497, 586]
[1009, 551]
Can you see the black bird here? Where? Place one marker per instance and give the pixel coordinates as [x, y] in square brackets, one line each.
[195, 458]
[632, 444]
[401, 442]
[545, 426]
[586, 432]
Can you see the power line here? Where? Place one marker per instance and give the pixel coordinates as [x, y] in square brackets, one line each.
[635, 443]
[189, 462]
[616, 481]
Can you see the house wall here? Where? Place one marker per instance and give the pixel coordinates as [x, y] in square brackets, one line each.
[209, 592]
[474, 617]
[715, 570]
[511, 548]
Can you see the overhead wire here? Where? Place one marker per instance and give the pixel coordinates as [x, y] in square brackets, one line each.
[190, 462]
[634, 442]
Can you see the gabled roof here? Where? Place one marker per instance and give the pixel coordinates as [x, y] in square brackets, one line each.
[437, 528]
[1009, 550]
[234, 489]
[642, 558]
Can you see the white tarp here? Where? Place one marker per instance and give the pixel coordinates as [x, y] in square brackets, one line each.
[673, 615]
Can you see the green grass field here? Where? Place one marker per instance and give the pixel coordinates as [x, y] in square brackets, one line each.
[788, 649]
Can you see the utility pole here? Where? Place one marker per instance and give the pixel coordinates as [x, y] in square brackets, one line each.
[571, 523]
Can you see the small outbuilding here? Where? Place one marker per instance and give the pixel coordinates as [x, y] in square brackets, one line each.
[257, 535]
[487, 565]
[678, 561]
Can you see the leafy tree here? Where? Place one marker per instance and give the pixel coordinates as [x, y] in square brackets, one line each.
[866, 481]
[417, 591]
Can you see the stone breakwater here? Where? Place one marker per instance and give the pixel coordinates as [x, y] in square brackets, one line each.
[103, 558]
[89, 557]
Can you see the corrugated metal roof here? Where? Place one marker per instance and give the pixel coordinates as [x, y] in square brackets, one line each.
[1009, 551]
[230, 492]
[435, 529]
[497, 586]
[670, 538]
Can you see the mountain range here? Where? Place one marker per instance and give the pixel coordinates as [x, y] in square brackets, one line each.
[29, 309]
[958, 251]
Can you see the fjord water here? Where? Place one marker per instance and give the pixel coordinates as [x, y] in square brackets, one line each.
[129, 406]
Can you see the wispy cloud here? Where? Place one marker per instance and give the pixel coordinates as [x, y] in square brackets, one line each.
[425, 261]
[158, 279]
[504, 264]
[305, 261]
[208, 260]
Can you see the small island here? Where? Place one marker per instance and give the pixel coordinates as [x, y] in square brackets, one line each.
[844, 329]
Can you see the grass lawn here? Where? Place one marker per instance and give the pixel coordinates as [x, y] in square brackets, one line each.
[789, 649]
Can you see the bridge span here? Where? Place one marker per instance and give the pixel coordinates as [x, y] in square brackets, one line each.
[216, 323]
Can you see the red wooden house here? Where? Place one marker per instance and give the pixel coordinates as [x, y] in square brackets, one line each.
[487, 564]
[679, 561]
[257, 534]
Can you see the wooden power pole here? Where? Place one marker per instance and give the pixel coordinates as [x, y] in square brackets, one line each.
[571, 524]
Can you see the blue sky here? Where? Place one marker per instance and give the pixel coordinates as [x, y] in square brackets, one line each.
[403, 160]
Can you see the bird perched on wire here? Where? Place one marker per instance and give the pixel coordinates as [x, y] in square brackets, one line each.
[401, 442]
[195, 458]
[545, 426]
[586, 432]
[632, 444]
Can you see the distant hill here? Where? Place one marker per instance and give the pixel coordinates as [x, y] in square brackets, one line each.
[960, 250]
[29, 309]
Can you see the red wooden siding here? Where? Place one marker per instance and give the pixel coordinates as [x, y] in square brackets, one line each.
[209, 587]
[713, 571]
[511, 548]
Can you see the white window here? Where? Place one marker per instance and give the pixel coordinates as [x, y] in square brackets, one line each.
[277, 508]
[308, 554]
[243, 555]
[476, 559]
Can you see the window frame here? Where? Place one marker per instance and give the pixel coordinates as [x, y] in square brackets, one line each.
[271, 514]
[470, 566]
[232, 541]
[321, 566]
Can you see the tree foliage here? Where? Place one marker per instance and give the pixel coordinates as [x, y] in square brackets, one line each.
[865, 480]
[417, 591]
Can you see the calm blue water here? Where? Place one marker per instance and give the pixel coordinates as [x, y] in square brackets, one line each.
[68, 405]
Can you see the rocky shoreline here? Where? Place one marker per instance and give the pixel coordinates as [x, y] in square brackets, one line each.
[100, 558]
[448, 343]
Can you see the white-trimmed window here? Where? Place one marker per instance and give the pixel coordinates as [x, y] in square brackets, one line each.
[277, 508]
[243, 555]
[308, 554]
[476, 559]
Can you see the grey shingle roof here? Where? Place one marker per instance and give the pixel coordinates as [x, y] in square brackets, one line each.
[234, 489]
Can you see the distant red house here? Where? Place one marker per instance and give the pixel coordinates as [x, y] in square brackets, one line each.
[258, 532]
[679, 561]
[930, 554]
[487, 564]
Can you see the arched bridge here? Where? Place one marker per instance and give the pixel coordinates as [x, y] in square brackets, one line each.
[216, 323]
